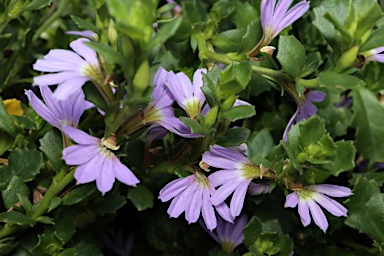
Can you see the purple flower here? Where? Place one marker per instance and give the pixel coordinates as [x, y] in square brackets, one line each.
[159, 111]
[305, 109]
[58, 112]
[258, 189]
[374, 54]
[192, 196]
[72, 69]
[276, 17]
[308, 199]
[236, 175]
[117, 243]
[188, 95]
[96, 161]
[85, 33]
[228, 235]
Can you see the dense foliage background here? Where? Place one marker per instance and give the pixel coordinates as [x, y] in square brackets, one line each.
[329, 49]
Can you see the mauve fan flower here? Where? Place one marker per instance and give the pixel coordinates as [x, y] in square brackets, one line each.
[374, 55]
[236, 175]
[188, 94]
[309, 198]
[191, 195]
[276, 17]
[58, 112]
[228, 235]
[72, 69]
[96, 161]
[305, 109]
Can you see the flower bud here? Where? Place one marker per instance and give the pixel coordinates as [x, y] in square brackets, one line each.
[141, 79]
[228, 103]
[347, 59]
[210, 118]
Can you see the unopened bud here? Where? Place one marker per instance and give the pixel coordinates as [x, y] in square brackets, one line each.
[112, 34]
[347, 59]
[268, 50]
[210, 118]
[141, 79]
[228, 103]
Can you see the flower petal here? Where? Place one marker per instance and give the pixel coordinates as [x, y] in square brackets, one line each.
[174, 188]
[85, 51]
[238, 197]
[192, 211]
[106, 178]
[223, 192]
[70, 86]
[123, 173]
[51, 79]
[304, 212]
[332, 190]
[79, 154]
[291, 200]
[318, 215]
[208, 212]
[89, 171]
[79, 136]
[330, 205]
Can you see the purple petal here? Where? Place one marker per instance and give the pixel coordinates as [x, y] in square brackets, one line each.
[237, 231]
[212, 234]
[55, 66]
[106, 178]
[70, 86]
[174, 188]
[197, 84]
[89, 171]
[85, 51]
[221, 177]
[376, 57]
[208, 212]
[292, 15]
[192, 211]
[79, 154]
[266, 10]
[180, 86]
[85, 33]
[123, 173]
[64, 56]
[280, 10]
[304, 213]
[223, 210]
[225, 158]
[291, 200]
[51, 79]
[79, 136]
[330, 205]
[223, 192]
[332, 190]
[318, 215]
[316, 96]
[180, 202]
[238, 197]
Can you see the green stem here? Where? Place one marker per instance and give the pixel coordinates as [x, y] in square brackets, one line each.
[272, 73]
[53, 190]
[62, 6]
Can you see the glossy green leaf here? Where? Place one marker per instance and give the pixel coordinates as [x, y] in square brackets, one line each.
[365, 209]
[167, 29]
[234, 78]
[209, 88]
[291, 55]
[234, 137]
[251, 37]
[47, 243]
[52, 146]
[15, 188]
[311, 130]
[368, 119]
[36, 5]
[252, 231]
[45, 220]
[239, 112]
[63, 229]
[229, 40]
[260, 143]
[108, 53]
[83, 24]
[79, 193]
[25, 163]
[193, 124]
[375, 40]
[96, 4]
[141, 197]
[16, 218]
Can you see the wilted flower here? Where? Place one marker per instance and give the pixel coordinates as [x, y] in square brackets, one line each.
[305, 109]
[228, 235]
[192, 195]
[58, 112]
[96, 161]
[276, 17]
[308, 199]
[236, 175]
[72, 69]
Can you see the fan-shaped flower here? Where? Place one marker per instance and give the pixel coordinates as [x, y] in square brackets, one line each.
[308, 199]
[228, 235]
[72, 69]
[96, 161]
[236, 175]
[58, 112]
[191, 195]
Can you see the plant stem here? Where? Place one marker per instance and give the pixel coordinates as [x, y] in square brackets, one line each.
[54, 189]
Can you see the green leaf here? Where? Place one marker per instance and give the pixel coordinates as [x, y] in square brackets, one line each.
[234, 137]
[337, 119]
[79, 193]
[368, 119]
[167, 30]
[109, 204]
[25, 163]
[63, 229]
[261, 143]
[36, 5]
[52, 145]
[251, 37]
[311, 130]
[234, 78]
[6, 121]
[239, 112]
[56, 201]
[96, 4]
[15, 189]
[245, 14]
[375, 40]
[16, 218]
[365, 209]
[229, 40]
[291, 55]
[6, 142]
[194, 11]
[345, 157]
[45, 220]
[47, 243]
[27, 205]
[252, 231]
[108, 53]
[209, 88]
[141, 197]
[193, 124]
[83, 24]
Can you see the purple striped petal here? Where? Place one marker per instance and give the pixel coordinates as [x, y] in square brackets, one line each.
[123, 173]
[332, 190]
[79, 136]
[42, 109]
[79, 154]
[330, 205]
[238, 197]
[304, 213]
[180, 202]
[208, 212]
[90, 170]
[85, 51]
[318, 215]
[70, 86]
[223, 192]
[223, 210]
[105, 180]
[221, 177]
[192, 211]
[51, 79]
[291, 200]
[174, 188]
